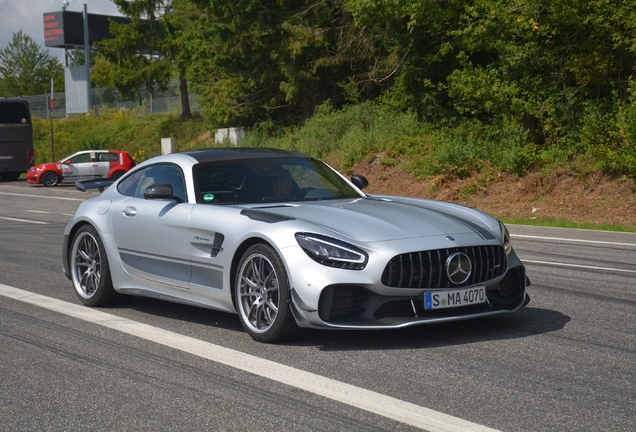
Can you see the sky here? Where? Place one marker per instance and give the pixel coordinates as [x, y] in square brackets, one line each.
[27, 15]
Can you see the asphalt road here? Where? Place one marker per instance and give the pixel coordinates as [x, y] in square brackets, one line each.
[567, 362]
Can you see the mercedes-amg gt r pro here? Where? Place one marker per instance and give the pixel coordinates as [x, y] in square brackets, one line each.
[285, 241]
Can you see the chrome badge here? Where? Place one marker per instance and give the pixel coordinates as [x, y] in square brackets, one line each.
[458, 268]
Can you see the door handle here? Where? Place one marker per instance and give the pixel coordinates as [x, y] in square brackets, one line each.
[129, 211]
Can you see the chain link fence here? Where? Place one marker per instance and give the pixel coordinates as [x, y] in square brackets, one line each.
[108, 98]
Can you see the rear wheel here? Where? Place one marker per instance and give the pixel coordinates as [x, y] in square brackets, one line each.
[263, 295]
[49, 179]
[90, 271]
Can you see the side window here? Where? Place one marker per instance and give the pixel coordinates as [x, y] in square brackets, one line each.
[129, 185]
[108, 157]
[81, 158]
[136, 184]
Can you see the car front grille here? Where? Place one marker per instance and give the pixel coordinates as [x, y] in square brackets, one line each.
[427, 269]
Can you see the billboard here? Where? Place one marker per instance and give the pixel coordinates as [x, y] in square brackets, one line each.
[65, 29]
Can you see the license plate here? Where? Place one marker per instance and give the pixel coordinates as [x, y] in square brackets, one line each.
[454, 298]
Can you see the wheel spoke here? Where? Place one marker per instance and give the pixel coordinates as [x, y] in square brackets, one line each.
[82, 254]
[267, 278]
[251, 284]
[252, 312]
[271, 306]
[85, 281]
[267, 311]
[256, 272]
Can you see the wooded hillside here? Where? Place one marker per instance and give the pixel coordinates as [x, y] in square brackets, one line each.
[544, 79]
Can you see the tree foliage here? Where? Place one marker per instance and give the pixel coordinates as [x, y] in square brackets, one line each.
[25, 69]
[534, 75]
[538, 63]
[143, 53]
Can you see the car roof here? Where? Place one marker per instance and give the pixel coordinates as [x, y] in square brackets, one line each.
[13, 100]
[100, 151]
[239, 153]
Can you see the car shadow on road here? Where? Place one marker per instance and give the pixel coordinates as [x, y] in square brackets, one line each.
[527, 322]
[182, 312]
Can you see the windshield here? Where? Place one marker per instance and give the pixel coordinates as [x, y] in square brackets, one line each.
[269, 180]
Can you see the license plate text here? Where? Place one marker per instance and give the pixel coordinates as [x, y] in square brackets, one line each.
[454, 298]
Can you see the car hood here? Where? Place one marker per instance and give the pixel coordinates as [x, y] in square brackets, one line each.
[382, 218]
[50, 165]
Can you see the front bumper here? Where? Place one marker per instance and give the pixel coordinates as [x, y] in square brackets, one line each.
[33, 177]
[65, 257]
[346, 306]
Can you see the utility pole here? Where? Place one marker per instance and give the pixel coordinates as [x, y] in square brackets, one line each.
[50, 106]
[87, 62]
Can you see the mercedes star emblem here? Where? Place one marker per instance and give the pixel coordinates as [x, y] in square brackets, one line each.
[458, 268]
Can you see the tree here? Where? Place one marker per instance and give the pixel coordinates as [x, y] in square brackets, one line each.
[255, 60]
[143, 52]
[25, 69]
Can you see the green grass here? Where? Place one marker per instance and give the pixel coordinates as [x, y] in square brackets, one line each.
[115, 130]
[562, 223]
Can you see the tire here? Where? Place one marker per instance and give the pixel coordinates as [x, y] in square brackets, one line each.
[89, 268]
[49, 179]
[117, 174]
[263, 296]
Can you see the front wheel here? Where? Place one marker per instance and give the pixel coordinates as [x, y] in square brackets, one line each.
[263, 295]
[90, 272]
[49, 179]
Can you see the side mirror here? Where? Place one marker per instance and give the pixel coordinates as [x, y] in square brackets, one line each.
[359, 181]
[67, 162]
[161, 191]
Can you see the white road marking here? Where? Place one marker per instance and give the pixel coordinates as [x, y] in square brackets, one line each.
[573, 240]
[44, 196]
[38, 211]
[24, 220]
[367, 400]
[587, 267]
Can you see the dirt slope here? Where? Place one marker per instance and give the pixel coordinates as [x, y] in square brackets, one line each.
[594, 200]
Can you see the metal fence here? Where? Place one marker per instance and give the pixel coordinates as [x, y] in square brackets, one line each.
[108, 98]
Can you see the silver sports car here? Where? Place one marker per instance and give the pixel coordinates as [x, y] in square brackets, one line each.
[285, 241]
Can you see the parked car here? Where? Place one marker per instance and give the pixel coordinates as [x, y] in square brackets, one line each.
[83, 165]
[285, 241]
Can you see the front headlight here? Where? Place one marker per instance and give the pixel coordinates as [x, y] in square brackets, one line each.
[507, 244]
[34, 170]
[332, 252]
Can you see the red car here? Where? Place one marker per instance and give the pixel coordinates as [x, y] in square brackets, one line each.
[82, 165]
